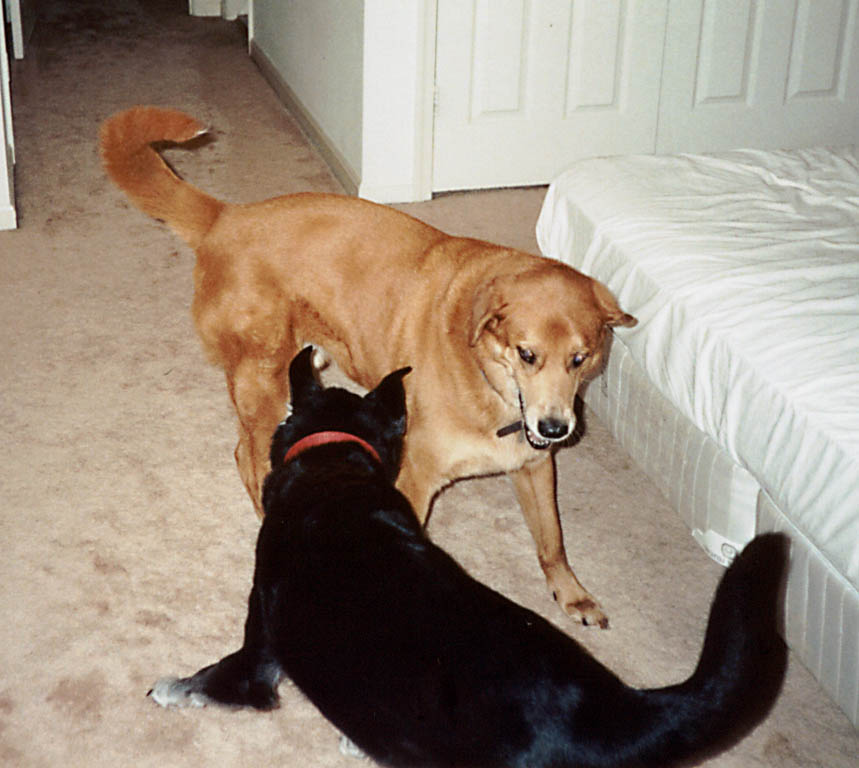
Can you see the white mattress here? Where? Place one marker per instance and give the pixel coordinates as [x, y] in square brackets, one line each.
[821, 614]
[716, 498]
[743, 270]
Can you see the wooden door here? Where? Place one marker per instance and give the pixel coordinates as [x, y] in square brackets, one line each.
[748, 73]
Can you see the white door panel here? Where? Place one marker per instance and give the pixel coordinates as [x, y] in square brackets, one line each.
[524, 87]
[758, 74]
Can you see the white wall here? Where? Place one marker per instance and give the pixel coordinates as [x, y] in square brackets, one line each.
[359, 75]
[316, 48]
[227, 9]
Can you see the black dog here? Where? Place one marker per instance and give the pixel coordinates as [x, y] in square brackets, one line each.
[421, 665]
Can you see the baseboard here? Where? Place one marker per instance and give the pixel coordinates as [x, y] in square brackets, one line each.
[338, 164]
[393, 193]
[8, 219]
[204, 7]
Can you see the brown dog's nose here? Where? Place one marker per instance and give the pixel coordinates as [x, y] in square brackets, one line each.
[553, 429]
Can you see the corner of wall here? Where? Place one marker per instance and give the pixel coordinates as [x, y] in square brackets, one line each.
[340, 167]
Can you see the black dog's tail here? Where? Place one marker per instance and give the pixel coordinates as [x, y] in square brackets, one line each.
[738, 676]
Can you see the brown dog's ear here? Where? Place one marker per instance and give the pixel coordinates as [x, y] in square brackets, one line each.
[485, 310]
[612, 313]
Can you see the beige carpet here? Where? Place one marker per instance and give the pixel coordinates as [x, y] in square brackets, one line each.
[127, 535]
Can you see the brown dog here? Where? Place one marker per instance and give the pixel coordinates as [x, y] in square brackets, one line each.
[496, 338]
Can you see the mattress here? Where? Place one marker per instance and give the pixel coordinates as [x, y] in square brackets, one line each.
[716, 498]
[821, 613]
[743, 270]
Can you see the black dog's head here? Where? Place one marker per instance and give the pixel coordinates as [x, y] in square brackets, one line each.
[379, 417]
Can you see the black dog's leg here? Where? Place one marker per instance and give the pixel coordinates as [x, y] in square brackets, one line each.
[242, 679]
[247, 678]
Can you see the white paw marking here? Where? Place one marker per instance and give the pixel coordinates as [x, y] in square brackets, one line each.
[350, 749]
[175, 692]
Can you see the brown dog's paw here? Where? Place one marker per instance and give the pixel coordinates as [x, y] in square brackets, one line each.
[588, 612]
[583, 609]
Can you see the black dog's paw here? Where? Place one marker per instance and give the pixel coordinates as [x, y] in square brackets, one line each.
[177, 692]
[350, 749]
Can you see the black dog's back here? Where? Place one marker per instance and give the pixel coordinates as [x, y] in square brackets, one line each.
[418, 663]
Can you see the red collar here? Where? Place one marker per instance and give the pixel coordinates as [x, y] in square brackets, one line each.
[320, 438]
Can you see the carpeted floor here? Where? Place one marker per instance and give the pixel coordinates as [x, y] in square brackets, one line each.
[127, 535]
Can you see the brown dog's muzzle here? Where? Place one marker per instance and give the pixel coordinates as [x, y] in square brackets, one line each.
[553, 429]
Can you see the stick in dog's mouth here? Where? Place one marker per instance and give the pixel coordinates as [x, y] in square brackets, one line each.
[510, 428]
[536, 441]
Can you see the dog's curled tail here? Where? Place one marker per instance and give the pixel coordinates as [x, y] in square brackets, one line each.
[138, 169]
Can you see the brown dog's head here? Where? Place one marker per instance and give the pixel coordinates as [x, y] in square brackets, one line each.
[536, 335]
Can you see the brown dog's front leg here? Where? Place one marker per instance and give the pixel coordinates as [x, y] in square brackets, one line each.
[417, 491]
[535, 489]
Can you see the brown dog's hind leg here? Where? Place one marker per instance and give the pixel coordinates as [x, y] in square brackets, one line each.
[259, 391]
[535, 489]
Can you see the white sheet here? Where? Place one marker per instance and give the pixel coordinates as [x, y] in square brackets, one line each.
[743, 270]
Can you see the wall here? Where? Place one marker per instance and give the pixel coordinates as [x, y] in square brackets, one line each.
[358, 74]
[227, 9]
[312, 52]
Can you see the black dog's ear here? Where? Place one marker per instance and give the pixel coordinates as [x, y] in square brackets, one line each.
[390, 396]
[302, 381]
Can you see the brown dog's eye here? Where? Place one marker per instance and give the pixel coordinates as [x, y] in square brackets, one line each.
[528, 357]
[578, 360]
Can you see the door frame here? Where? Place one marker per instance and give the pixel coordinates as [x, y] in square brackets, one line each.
[398, 101]
[8, 216]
